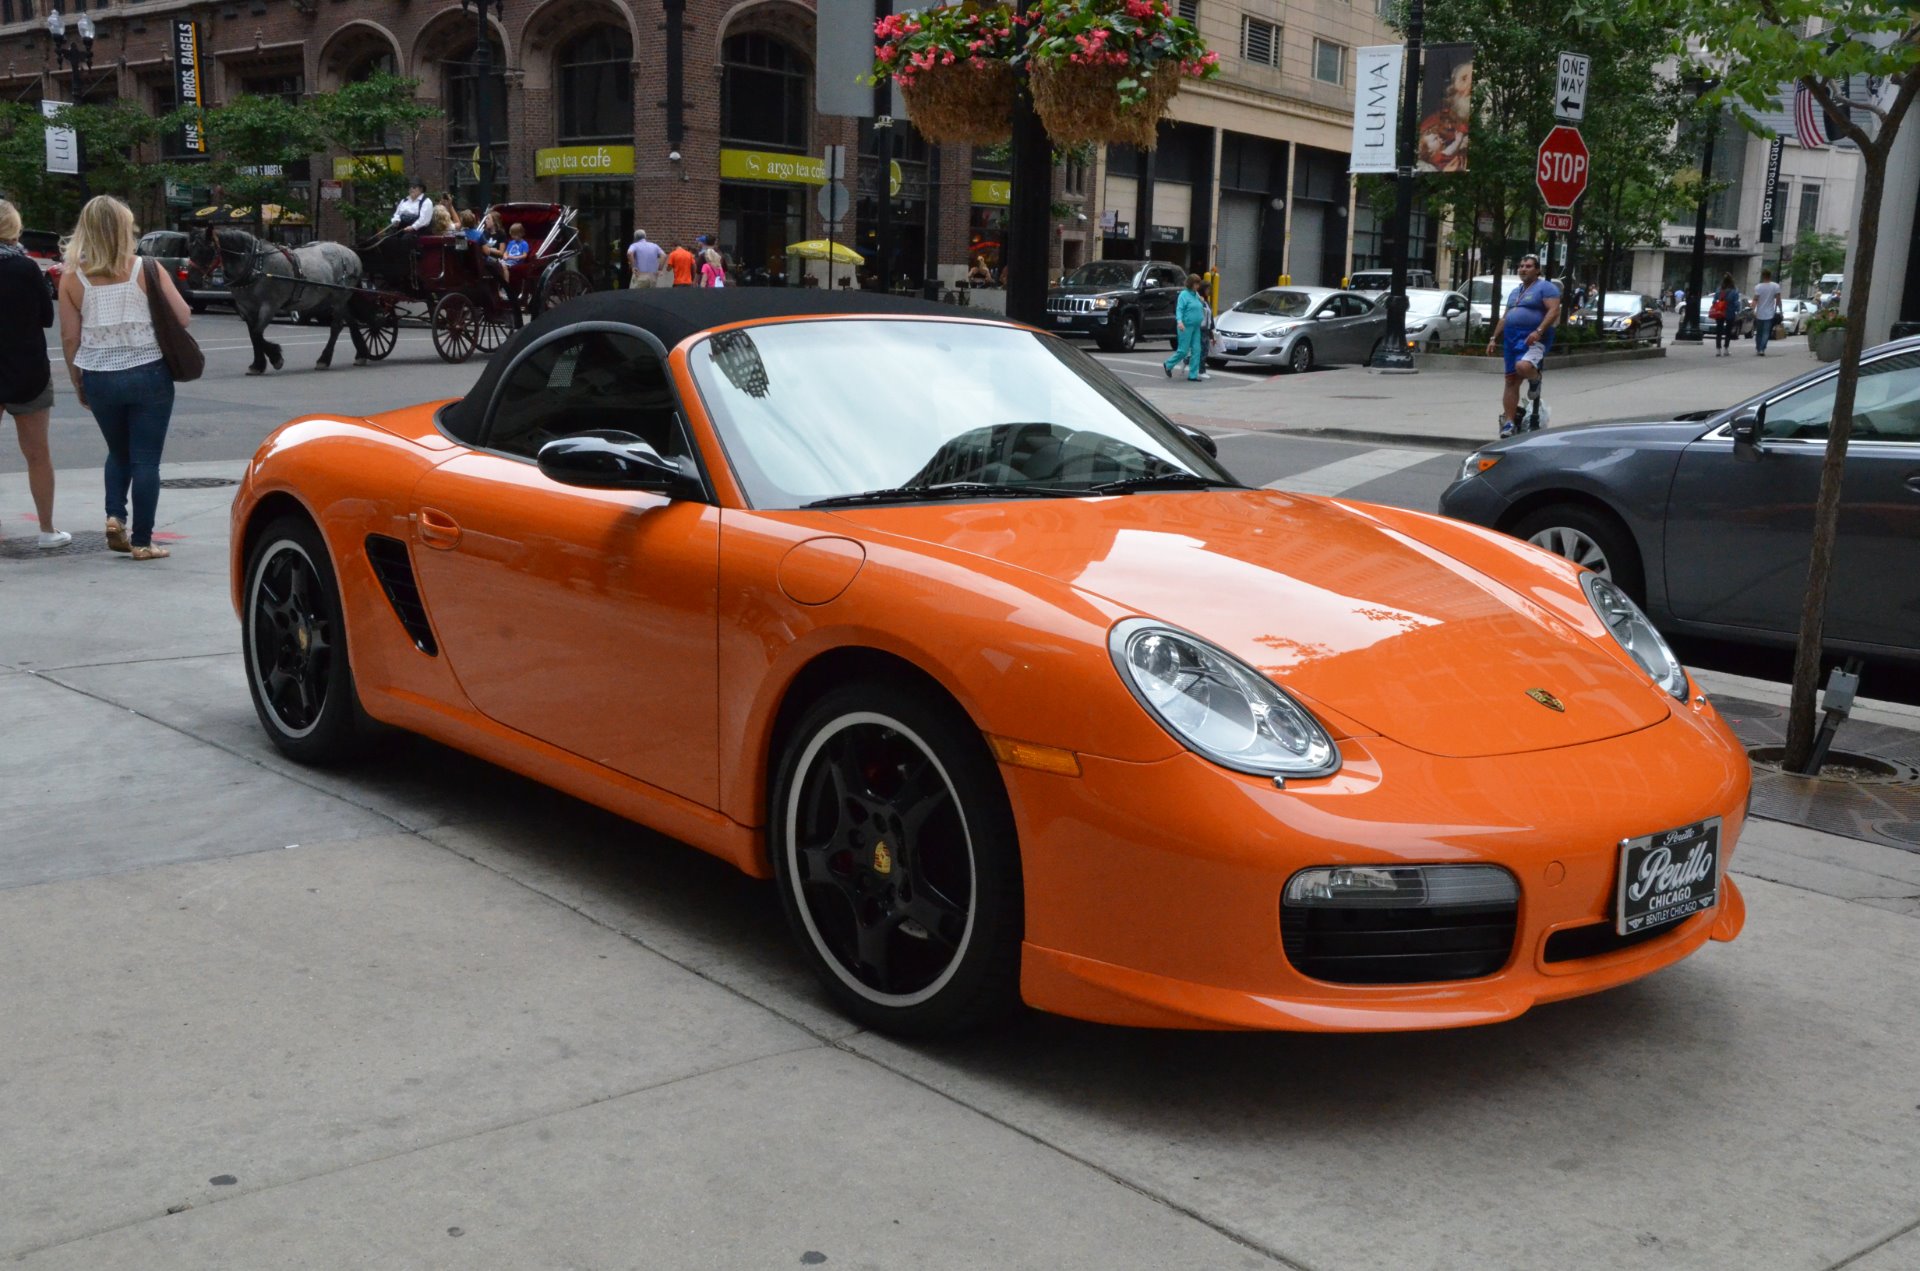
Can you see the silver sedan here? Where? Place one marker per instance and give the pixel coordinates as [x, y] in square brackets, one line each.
[1297, 327]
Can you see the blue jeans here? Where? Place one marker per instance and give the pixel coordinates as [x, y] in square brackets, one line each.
[1762, 332]
[133, 408]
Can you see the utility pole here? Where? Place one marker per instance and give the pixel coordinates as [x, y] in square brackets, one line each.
[1697, 270]
[1028, 223]
[482, 103]
[1394, 355]
[76, 53]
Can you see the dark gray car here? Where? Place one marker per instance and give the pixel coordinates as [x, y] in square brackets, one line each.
[169, 248]
[1707, 521]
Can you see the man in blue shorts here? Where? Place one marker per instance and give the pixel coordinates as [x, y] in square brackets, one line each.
[1533, 311]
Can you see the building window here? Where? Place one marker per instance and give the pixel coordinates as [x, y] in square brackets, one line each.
[1259, 42]
[1809, 221]
[1190, 10]
[596, 86]
[287, 88]
[459, 93]
[1384, 8]
[1329, 62]
[764, 98]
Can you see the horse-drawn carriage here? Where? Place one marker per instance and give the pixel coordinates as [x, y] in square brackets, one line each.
[466, 297]
[441, 282]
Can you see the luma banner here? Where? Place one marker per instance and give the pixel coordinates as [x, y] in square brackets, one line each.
[1376, 107]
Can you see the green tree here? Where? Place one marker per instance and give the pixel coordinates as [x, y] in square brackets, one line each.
[252, 145]
[111, 136]
[1749, 49]
[1814, 254]
[378, 114]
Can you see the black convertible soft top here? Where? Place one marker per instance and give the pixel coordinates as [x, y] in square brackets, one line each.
[671, 314]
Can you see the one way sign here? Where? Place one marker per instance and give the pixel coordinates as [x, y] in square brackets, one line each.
[1570, 88]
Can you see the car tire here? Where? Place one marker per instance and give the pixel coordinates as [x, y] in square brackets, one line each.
[197, 306]
[1123, 335]
[1300, 357]
[1590, 537]
[294, 646]
[913, 931]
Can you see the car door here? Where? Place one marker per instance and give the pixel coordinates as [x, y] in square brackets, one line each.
[1162, 298]
[582, 617]
[1739, 534]
[1352, 333]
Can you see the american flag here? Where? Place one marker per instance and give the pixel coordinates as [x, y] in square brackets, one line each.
[1807, 124]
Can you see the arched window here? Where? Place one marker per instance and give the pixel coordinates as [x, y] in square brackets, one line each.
[595, 88]
[764, 95]
[379, 62]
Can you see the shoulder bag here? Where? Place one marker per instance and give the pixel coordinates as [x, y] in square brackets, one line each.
[179, 350]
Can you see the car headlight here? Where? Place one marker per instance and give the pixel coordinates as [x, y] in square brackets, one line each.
[1475, 464]
[1103, 302]
[1418, 328]
[1272, 333]
[1631, 630]
[1218, 707]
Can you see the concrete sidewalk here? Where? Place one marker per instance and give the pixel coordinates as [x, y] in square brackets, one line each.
[1458, 408]
[422, 1013]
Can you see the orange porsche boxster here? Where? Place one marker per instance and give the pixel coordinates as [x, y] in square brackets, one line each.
[1013, 690]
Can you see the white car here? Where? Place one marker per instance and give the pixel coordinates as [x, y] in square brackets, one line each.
[1483, 294]
[1794, 315]
[1375, 283]
[1434, 315]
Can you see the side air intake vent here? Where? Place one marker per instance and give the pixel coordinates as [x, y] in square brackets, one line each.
[394, 568]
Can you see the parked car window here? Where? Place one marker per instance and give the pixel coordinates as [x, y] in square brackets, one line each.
[1168, 276]
[593, 380]
[1354, 306]
[1281, 304]
[1101, 273]
[1886, 404]
[162, 243]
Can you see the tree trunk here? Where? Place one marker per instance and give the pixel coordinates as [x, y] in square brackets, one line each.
[1826, 510]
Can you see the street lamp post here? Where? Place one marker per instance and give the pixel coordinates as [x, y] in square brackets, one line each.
[75, 51]
[1394, 355]
[1697, 269]
[482, 106]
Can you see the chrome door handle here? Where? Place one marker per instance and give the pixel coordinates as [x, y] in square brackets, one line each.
[1913, 483]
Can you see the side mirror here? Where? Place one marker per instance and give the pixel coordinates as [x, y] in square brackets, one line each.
[1746, 435]
[610, 460]
[1324, 314]
[1201, 439]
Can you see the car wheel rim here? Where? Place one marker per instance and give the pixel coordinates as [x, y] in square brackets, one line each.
[1575, 546]
[289, 639]
[880, 860]
[1301, 358]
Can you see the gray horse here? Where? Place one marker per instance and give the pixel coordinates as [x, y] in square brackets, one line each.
[265, 278]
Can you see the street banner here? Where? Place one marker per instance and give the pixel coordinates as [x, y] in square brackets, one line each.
[63, 144]
[1770, 193]
[1446, 108]
[1376, 107]
[186, 82]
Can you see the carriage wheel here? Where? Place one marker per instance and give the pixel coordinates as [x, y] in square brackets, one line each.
[456, 327]
[559, 285]
[382, 331]
[492, 334]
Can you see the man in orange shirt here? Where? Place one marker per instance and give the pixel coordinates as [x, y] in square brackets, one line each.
[680, 261]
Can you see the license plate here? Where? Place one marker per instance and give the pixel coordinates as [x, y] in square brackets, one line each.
[1667, 877]
[1063, 318]
[1238, 348]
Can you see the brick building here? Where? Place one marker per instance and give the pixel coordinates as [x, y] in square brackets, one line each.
[1251, 171]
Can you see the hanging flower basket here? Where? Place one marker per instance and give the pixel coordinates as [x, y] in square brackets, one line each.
[1105, 70]
[1080, 104]
[962, 104]
[954, 66]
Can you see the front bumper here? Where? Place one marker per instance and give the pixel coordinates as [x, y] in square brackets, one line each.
[1252, 348]
[1090, 323]
[1153, 891]
[1474, 501]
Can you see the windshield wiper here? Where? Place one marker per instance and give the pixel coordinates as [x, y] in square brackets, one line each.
[946, 490]
[1162, 481]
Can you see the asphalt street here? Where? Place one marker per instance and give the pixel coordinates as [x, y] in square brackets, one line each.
[420, 1012]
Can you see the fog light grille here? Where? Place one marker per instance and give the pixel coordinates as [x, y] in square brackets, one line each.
[1412, 924]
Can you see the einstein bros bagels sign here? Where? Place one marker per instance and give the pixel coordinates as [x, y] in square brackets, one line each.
[584, 161]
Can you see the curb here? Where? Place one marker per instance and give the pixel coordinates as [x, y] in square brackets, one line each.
[1458, 362]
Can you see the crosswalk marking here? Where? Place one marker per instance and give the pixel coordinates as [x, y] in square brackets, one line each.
[1345, 474]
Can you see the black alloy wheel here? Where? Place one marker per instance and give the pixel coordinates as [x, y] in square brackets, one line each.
[294, 638]
[895, 851]
[1300, 360]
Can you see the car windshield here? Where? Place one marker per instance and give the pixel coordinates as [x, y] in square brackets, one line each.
[1426, 303]
[1102, 273]
[963, 408]
[1285, 304]
[1371, 282]
[1625, 302]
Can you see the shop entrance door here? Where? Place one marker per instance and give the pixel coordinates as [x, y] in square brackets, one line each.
[605, 222]
[756, 224]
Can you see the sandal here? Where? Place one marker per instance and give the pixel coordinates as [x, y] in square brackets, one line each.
[117, 535]
[150, 552]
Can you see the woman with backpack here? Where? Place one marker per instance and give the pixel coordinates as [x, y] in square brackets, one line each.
[1725, 312]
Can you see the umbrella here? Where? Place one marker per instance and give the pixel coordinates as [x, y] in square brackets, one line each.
[821, 249]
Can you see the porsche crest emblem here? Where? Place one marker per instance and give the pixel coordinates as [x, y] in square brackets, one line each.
[882, 859]
[1547, 699]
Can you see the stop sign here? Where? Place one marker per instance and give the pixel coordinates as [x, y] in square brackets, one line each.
[1561, 172]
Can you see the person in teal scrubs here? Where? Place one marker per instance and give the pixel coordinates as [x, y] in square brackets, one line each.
[1190, 317]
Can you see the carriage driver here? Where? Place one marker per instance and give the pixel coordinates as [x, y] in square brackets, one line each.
[415, 212]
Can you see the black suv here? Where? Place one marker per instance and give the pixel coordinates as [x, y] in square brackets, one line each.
[1117, 301]
[168, 247]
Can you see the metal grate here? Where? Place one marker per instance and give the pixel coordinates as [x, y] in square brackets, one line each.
[394, 568]
[1882, 808]
[197, 483]
[28, 548]
[1411, 945]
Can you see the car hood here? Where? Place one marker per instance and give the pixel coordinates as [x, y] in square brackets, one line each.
[1089, 291]
[1336, 606]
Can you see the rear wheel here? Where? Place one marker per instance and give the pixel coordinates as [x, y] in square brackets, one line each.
[557, 285]
[1587, 537]
[456, 327]
[897, 861]
[295, 645]
[381, 330]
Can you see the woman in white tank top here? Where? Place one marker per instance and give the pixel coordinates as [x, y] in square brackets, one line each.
[106, 328]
